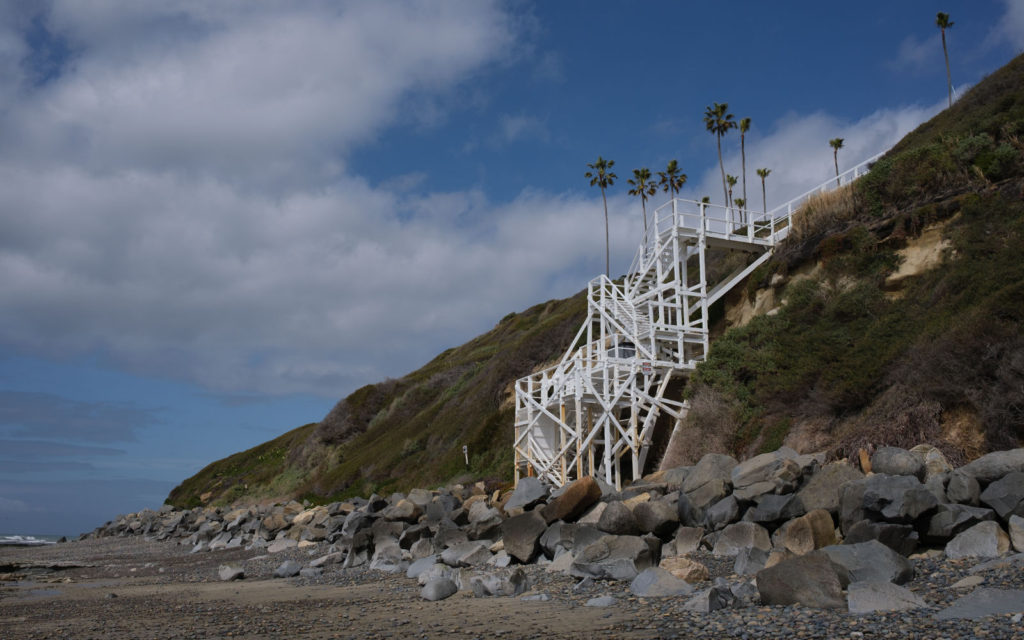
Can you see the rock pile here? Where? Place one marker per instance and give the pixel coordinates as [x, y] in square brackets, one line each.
[794, 528]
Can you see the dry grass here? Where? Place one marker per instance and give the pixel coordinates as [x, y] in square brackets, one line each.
[822, 213]
[709, 427]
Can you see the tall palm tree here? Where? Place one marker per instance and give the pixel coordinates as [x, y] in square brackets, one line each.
[837, 144]
[671, 179]
[744, 127]
[763, 172]
[643, 187]
[601, 176]
[718, 121]
[943, 22]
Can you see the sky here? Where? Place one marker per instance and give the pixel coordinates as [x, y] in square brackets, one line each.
[219, 218]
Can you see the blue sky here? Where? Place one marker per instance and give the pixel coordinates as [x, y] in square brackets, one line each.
[217, 219]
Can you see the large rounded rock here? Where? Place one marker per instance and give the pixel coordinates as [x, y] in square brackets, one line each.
[983, 540]
[811, 531]
[529, 491]
[761, 468]
[713, 466]
[658, 517]
[655, 582]
[812, 580]
[871, 561]
[897, 462]
[521, 535]
[1006, 495]
[613, 558]
[995, 465]
[900, 499]
[438, 589]
[739, 536]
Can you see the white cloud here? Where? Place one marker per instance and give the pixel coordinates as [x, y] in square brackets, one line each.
[519, 126]
[1011, 26]
[915, 54]
[796, 149]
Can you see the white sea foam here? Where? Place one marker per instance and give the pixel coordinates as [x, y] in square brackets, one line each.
[26, 541]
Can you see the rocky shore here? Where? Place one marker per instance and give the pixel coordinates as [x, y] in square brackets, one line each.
[781, 545]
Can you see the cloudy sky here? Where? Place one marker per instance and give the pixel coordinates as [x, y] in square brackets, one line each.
[218, 218]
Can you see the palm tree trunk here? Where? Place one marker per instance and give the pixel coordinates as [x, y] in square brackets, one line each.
[607, 261]
[721, 167]
[643, 205]
[949, 81]
[764, 198]
[835, 158]
[743, 155]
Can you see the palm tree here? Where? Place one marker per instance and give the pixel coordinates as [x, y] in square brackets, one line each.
[943, 22]
[671, 179]
[728, 199]
[837, 144]
[643, 187]
[741, 203]
[744, 127]
[718, 121]
[601, 176]
[763, 172]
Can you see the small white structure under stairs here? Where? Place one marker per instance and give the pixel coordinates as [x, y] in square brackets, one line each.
[596, 411]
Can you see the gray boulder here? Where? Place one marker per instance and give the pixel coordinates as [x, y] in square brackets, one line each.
[761, 468]
[871, 561]
[508, 583]
[962, 488]
[951, 519]
[467, 554]
[438, 589]
[529, 491]
[822, 489]
[774, 509]
[851, 504]
[387, 557]
[894, 461]
[983, 540]
[1005, 495]
[984, 602]
[655, 582]
[995, 465]
[713, 466]
[287, 569]
[688, 539]
[521, 535]
[739, 536]
[901, 538]
[722, 513]
[711, 599]
[658, 517]
[871, 597]
[707, 494]
[618, 520]
[612, 557]
[1015, 527]
[419, 566]
[573, 501]
[812, 580]
[900, 499]
[557, 538]
[749, 561]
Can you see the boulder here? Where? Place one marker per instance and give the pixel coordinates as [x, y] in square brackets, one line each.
[983, 540]
[901, 538]
[655, 582]
[387, 557]
[688, 539]
[507, 583]
[995, 465]
[707, 494]
[812, 580]
[772, 509]
[416, 568]
[871, 597]
[557, 538]
[420, 497]
[228, 573]
[618, 520]
[962, 488]
[688, 513]
[466, 554]
[760, 468]
[404, 510]
[658, 517]
[894, 461]
[813, 530]
[822, 490]
[612, 557]
[601, 601]
[708, 600]
[900, 499]
[951, 519]
[749, 561]
[287, 569]
[935, 463]
[1015, 527]
[529, 491]
[438, 589]
[713, 466]
[851, 504]
[1006, 495]
[871, 561]
[984, 602]
[280, 545]
[739, 536]
[522, 534]
[685, 569]
[574, 501]
[722, 513]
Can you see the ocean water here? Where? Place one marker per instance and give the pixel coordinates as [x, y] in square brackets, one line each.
[22, 540]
